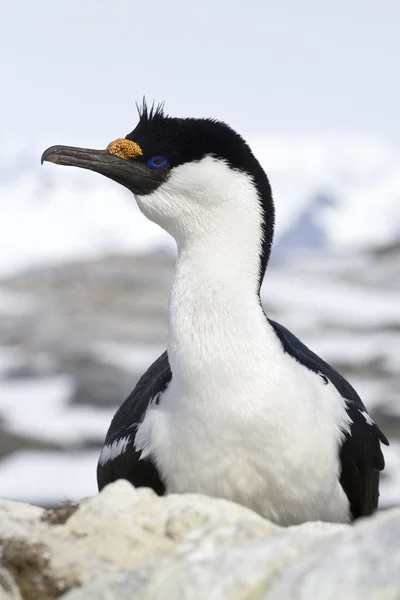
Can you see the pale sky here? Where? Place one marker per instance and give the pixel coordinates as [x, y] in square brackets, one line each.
[72, 69]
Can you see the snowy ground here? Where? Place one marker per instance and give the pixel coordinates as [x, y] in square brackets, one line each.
[349, 186]
[75, 338]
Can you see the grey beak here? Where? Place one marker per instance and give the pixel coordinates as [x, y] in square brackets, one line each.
[132, 174]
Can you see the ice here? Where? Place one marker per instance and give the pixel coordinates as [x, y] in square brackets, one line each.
[356, 348]
[361, 175]
[126, 355]
[51, 213]
[9, 358]
[49, 477]
[390, 484]
[40, 226]
[331, 300]
[16, 304]
[39, 408]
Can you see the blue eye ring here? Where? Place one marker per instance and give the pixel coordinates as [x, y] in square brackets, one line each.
[157, 162]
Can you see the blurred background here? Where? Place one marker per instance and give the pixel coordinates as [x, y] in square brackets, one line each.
[84, 278]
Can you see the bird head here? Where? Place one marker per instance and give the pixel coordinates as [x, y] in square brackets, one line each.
[190, 176]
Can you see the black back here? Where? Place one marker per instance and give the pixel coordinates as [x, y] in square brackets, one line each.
[360, 455]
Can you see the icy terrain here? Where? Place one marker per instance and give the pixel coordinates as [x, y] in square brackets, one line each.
[75, 338]
[334, 194]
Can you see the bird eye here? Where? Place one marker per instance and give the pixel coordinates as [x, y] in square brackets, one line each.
[157, 162]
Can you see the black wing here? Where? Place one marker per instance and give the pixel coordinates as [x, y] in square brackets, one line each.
[360, 455]
[141, 473]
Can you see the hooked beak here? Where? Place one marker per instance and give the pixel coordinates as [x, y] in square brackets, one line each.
[132, 174]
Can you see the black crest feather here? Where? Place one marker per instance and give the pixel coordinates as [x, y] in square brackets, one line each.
[149, 113]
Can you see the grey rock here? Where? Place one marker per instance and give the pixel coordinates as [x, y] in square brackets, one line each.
[99, 384]
[8, 588]
[128, 586]
[11, 442]
[107, 535]
[363, 562]
[101, 538]
[299, 563]
[128, 543]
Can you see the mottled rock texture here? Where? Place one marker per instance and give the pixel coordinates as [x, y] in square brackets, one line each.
[129, 544]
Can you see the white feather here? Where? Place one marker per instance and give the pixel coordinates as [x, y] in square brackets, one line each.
[143, 434]
[240, 419]
[112, 451]
[367, 418]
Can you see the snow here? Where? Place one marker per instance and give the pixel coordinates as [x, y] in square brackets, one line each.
[39, 408]
[53, 213]
[16, 304]
[357, 349]
[334, 300]
[49, 477]
[9, 359]
[43, 226]
[390, 483]
[128, 355]
[361, 175]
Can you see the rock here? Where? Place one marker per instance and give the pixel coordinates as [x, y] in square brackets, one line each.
[125, 587]
[130, 544]
[363, 562]
[106, 535]
[8, 588]
[300, 563]
[18, 519]
[99, 384]
[102, 537]
[11, 441]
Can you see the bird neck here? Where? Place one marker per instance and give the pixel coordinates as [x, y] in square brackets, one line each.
[215, 309]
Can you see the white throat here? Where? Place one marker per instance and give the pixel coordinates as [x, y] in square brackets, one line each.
[215, 215]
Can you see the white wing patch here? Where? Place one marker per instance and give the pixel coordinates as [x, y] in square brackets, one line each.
[143, 434]
[367, 417]
[113, 450]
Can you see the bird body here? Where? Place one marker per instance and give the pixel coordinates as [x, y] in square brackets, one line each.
[237, 407]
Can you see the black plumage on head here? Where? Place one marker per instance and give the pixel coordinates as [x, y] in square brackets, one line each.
[149, 113]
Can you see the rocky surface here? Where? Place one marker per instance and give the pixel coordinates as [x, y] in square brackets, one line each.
[75, 337]
[131, 544]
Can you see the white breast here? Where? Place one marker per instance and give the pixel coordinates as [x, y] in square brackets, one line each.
[267, 440]
[240, 419]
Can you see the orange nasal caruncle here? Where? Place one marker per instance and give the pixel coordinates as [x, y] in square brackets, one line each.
[124, 149]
